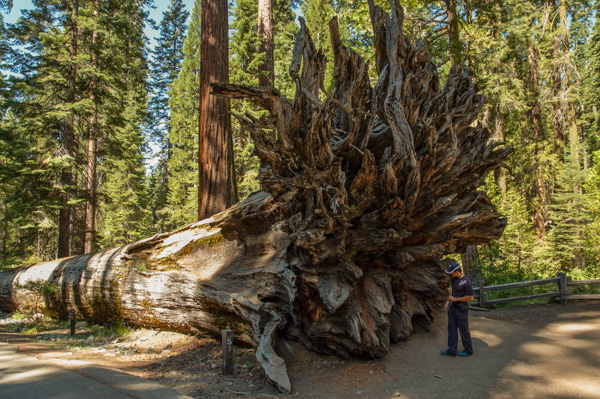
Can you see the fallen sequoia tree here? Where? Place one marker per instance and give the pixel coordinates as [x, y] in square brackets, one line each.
[364, 191]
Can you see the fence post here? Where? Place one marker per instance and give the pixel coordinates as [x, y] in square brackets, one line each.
[481, 294]
[71, 316]
[227, 344]
[562, 287]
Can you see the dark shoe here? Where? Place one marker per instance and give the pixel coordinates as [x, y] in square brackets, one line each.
[465, 353]
[447, 353]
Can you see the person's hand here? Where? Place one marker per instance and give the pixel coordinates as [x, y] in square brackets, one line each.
[447, 305]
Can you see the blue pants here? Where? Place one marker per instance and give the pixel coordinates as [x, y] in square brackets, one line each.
[458, 321]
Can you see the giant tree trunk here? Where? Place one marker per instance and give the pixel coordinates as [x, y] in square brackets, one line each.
[216, 187]
[265, 31]
[363, 193]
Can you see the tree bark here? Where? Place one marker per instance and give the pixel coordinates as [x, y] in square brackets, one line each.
[362, 195]
[90, 206]
[453, 35]
[265, 31]
[500, 173]
[216, 188]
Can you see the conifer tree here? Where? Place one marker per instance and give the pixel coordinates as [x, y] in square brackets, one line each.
[318, 13]
[566, 239]
[246, 62]
[592, 224]
[591, 84]
[125, 204]
[68, 107]
[53, 96]
[164, 67]
[510, 258]
[184, 97]
[285, 29]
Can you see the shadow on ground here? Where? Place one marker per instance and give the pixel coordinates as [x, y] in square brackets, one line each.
[540, 351]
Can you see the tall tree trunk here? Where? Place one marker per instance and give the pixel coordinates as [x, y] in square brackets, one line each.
[557, 79]
[539, 187]
[216, 189]
[4, 232]
[535, 92]
[265, 31]
[453, 35]
[499, 173]
[68, 143]
[470, 263]
[90, 208]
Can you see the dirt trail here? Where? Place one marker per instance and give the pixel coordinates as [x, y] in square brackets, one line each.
[538, 351]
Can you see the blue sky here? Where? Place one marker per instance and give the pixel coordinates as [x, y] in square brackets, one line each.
[156, 14]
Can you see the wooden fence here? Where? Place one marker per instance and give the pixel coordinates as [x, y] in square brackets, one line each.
[563, 294]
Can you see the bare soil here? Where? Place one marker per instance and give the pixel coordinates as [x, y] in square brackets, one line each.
[530, 352]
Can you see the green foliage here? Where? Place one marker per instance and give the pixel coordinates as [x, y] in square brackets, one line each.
[182, 198]
[510, 257]
[41, 291]
[592, 227]
[165, 65]
[119, 329]
[140, 265]
[245, 62]
[318, 13]
[74, 71]
[565, 240]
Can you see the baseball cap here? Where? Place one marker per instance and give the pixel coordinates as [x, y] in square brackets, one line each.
[454, 267]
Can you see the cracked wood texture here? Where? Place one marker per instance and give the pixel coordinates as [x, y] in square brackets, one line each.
[364, 190]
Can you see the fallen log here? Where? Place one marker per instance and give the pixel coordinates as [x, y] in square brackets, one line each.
[364, 190]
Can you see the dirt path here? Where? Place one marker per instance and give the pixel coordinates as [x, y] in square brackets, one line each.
[533, 352]
[539, 351]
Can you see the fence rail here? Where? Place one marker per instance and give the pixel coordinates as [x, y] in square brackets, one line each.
[563, 294]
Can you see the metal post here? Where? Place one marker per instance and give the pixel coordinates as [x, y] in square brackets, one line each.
[227, 343]
[71, 316]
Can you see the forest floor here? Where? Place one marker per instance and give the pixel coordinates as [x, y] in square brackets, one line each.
[534, 351]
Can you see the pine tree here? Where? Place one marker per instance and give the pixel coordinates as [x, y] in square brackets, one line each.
[318, 13]
[69, 111]
[566, 240]
[124, 207]
[285, 29]
[246, 62]
[592, 227]
[125, 215]
[166, 62]
[184, 96]
[53, 96]
[510, 258]
[591, 84]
